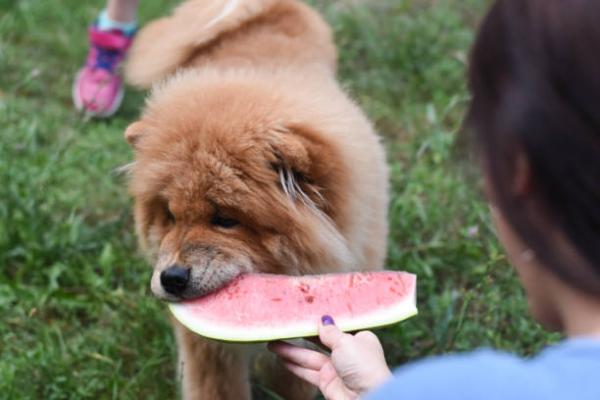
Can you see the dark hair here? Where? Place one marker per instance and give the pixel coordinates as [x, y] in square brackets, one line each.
[535, 82]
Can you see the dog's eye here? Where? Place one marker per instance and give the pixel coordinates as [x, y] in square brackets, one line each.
[224, 222]
[170, 216]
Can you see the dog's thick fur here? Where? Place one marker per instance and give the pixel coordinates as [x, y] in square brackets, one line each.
[246, 123]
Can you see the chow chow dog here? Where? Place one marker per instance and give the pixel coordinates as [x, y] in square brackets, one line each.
[248, 158]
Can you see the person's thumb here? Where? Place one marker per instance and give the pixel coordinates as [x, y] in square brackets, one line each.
[329, 334]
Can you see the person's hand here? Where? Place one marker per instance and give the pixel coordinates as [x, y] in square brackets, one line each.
[355, 366]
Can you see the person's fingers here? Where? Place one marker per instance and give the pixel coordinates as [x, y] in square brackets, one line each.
[332, 387]
[367, 336]
[329, 334]
[298, 355]
[306, 374]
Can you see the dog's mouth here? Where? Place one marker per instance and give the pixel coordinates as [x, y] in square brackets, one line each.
[178, 283]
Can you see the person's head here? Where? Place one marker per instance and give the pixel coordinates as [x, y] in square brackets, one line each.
[535, 113]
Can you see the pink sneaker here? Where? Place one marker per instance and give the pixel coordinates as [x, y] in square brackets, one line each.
[98, 87]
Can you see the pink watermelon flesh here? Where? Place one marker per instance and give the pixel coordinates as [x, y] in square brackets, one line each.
[263, 307]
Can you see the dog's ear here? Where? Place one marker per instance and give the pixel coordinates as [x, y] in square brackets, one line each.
[134, 132]
[307, 165]
[291, 151]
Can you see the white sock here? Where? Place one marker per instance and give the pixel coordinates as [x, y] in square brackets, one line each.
[104, 23]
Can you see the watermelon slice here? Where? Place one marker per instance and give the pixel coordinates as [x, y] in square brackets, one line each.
[264, 307]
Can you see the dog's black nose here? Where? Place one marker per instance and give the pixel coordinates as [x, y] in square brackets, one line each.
[174, 279]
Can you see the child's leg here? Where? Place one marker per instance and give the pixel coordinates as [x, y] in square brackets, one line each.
[98, 88]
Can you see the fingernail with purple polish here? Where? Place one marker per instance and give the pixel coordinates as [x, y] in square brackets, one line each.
[327, 320]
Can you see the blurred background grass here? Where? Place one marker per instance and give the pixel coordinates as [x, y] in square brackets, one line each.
[77, 318]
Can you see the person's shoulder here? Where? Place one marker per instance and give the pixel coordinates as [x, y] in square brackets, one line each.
[472, 371]
[479, 374]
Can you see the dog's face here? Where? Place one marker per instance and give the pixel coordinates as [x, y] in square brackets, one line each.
[224, 185]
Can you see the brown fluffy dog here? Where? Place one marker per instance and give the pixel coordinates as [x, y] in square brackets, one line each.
[248, 157]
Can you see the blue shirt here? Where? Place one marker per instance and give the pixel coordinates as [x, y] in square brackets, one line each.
[567, 371]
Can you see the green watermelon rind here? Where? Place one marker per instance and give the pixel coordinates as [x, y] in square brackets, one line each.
[209, 329]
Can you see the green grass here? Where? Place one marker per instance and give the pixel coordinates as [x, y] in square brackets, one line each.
[78, 321]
